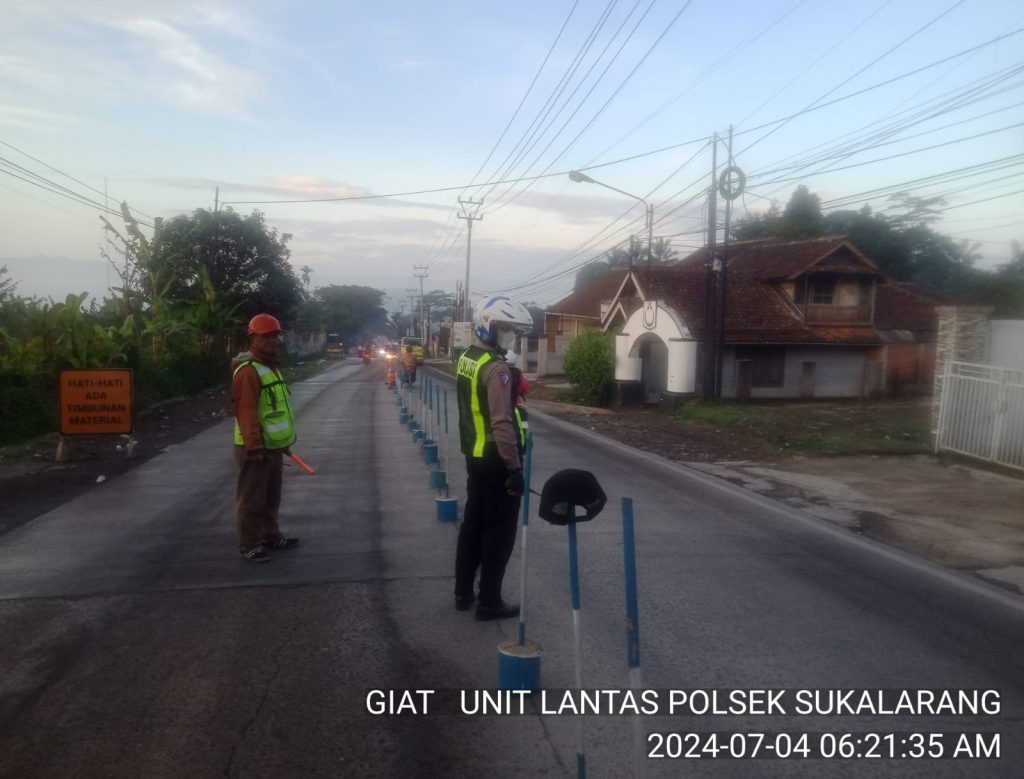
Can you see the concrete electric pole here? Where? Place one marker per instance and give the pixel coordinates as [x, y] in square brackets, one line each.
[470, 218]
[420, 272]
[709, 279]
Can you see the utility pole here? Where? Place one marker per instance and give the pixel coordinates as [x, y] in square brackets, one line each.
[723, 279]
[216, 200]
[411, 293]
[420, 272]
[470, 218]
[709, 278]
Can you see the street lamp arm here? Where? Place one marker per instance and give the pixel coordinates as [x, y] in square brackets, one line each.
[576, 176]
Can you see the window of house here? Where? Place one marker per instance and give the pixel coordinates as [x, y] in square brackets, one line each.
[823, 291]
[767, 365]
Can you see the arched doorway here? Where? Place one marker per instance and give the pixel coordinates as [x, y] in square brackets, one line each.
[653, 354]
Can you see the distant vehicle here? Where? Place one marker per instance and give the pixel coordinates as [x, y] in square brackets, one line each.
[417, 348]
[335, 348]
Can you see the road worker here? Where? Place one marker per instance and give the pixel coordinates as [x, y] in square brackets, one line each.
[489, 438]
[264, 429]
[409, 363]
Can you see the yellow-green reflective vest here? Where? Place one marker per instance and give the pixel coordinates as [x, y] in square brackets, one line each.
[274, 409]
[522, 427]
[474, 415]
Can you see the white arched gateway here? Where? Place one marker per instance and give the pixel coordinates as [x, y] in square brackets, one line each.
[656, 348]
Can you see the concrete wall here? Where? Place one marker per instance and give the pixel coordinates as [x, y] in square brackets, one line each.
[963, 336]
[839, 372]
[1006, 343]
[553, 362]
[559, 333]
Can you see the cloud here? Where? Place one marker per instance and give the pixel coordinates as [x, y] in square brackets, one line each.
[32, 119]
[200, 78]
[408, 65]
[295, 187]
[366, 233]
[573, 207]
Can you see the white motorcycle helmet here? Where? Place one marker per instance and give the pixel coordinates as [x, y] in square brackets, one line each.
[501, 310]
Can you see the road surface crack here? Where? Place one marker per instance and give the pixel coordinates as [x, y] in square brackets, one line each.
[263, 698]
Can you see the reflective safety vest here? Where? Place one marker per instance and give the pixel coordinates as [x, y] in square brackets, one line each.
[522, 427]
[474, 415]
[274, 409]
[475, 433]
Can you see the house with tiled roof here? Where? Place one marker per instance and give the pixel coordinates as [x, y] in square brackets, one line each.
[574, 315]
[802, 319]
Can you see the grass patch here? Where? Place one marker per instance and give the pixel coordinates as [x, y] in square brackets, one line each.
[908, 438]
[727, 414]
[540, 391]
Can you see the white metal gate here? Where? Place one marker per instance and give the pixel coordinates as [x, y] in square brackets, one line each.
[982, 413]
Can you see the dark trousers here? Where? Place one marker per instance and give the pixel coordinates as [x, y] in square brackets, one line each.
[257, 498]
[488, 530]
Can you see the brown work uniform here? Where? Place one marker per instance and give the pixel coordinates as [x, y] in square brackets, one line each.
[258, 492]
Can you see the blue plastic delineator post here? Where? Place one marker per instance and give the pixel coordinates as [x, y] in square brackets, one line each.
[519, 665]
[438, 478]
[429, 451]
[447, 509]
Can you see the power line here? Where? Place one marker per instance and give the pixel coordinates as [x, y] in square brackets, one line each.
[66, 175]
[941, 106]
[446, 229]
[660, 150]
[870, 64]
[504, 168]
[582, 102]
[901, 154]
[703, 75]
[56, 189]
[618, 89]
[526, 94]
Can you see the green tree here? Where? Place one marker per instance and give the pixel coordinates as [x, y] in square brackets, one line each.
[801, 218]
[1015, 267]
[8, 286]
[246, 262]
[633, 254]
[356, 313]
[590, 273]
[590, 367]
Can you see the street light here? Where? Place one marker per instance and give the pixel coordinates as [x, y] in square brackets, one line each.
[578, 177]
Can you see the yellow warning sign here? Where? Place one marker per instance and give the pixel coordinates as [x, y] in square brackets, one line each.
[95, 402]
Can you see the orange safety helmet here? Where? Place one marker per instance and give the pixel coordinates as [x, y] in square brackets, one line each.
[264, 324]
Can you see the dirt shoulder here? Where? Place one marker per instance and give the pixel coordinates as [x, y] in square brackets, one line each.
[32, 482]
[953, 512]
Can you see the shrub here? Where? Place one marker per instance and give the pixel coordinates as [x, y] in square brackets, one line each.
[590, 368]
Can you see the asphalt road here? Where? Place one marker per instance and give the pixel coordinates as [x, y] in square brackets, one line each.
[134, 642]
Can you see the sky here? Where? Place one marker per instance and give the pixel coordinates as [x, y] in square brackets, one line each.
[375, 107]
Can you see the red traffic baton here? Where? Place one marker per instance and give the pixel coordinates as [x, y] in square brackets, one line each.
[301, 463]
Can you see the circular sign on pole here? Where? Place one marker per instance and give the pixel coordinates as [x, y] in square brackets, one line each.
[731, 183]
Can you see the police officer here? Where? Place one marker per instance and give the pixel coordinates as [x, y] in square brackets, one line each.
[264, 429]
[488, 434]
